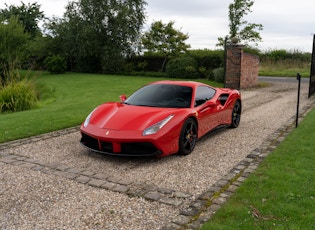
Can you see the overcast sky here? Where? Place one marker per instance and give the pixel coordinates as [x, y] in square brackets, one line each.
[288, 24]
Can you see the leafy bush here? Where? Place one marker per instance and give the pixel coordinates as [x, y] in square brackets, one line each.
[112, 61]
[210, 75]
[284, 55]
[56, 64]
[219, 74]
[182, 67]
[17, 96]
[146, 62]
[276, 55]
[207, 60]
[147, 74]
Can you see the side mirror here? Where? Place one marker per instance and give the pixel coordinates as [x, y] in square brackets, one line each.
[122, 98]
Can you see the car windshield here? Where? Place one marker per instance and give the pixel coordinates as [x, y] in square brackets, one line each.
[162, 95]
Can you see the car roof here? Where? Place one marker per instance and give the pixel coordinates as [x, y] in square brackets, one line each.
[182, 83]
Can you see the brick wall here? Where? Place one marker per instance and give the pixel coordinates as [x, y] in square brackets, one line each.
[241, 70]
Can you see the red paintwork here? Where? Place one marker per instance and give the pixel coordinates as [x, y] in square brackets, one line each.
[120, 123]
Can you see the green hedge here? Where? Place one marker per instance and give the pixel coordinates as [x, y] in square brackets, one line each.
[145, 63]
[218, 74]
[182, 67]
[206, 61]
[56, 64]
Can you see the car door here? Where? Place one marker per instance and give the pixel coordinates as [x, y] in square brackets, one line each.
[208, 113]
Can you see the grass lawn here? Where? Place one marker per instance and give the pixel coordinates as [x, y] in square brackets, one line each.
[281, 192]
[71, 98]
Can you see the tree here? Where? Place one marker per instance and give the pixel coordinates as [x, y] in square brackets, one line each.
[165, 40]
[241, 29]
[97, 34]
[29, 15]
[13, 42]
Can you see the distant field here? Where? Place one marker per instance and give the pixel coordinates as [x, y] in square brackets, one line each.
[287, 68]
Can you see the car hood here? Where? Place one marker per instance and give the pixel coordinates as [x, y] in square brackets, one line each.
[118, 116]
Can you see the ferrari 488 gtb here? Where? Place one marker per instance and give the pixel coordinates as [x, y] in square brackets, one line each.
[161, 118]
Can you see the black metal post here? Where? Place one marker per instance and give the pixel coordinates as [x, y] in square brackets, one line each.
[312, 72]
[225, 60]
[298, 77]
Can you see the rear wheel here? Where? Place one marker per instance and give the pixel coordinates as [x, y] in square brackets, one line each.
[236, 114]
[188, 137]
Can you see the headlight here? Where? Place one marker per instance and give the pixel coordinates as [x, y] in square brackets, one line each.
[87, 120]
[157, 126]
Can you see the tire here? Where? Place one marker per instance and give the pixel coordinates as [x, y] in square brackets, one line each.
[188, 137]
[236, 114]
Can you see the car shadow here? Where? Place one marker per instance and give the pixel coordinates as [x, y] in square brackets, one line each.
[120, 159]
[215, 131]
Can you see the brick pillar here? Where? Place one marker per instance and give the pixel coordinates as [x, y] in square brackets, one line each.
[233, 63]
[249, 71]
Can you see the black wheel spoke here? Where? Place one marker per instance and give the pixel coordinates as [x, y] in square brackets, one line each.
[236, 114]
[187, 144]
[188, 137]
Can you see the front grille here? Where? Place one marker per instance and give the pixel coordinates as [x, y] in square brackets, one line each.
[107, 146]
[90, 142]
[141, 148]
[127, 149]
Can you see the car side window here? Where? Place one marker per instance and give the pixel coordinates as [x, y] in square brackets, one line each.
[203, 94]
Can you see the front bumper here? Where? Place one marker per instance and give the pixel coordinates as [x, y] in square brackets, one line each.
[119, 148]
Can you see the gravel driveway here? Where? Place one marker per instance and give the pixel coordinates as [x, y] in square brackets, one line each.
[52, 182]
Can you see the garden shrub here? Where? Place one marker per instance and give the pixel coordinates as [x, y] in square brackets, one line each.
[203, 72]
[17, 96]
[182, 67]
[112, 62]
[146, 63]
[207, 60]
[56, 64]
[210, 75]
[147, 74]
[218, 74]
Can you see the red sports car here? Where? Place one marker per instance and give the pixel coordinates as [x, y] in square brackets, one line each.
[161, 118]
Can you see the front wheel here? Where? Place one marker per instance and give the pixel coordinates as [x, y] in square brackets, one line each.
[236, 114]
[188, 137]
